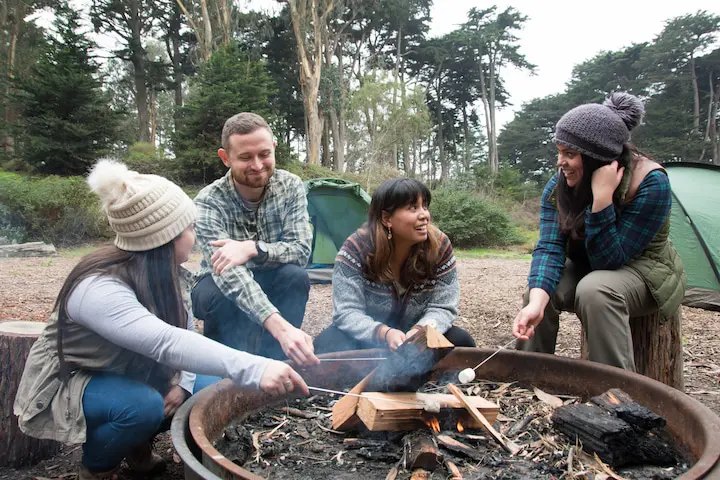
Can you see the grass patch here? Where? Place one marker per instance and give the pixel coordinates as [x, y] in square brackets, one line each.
[471, 253]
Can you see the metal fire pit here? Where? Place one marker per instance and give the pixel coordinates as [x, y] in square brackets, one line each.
[696, 429]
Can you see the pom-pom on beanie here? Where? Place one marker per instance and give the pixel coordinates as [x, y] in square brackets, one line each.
[600, 131]
[145, 211]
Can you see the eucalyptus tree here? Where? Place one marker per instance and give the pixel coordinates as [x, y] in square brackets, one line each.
[492, 38]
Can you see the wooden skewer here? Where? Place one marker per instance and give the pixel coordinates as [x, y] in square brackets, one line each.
[507, 444]
[362, 359]
[495, 353]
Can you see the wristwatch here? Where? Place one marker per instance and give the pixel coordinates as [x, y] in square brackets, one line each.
[262, 250]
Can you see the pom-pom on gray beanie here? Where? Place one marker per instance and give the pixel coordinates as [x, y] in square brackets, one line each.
[600, 131]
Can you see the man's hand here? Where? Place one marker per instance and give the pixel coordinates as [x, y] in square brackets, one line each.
[604, 182]
[531, 315]
[231, 253]
[297, 345]
[279, 379]
[174, 398]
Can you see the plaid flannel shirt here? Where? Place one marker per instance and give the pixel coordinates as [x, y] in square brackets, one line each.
[281, 221]
[611, 238]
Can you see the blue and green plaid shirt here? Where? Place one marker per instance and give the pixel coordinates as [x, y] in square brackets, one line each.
[281, 221]
[611, 239]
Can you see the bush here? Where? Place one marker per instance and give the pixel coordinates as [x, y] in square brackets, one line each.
[471, 220]
[60, 210]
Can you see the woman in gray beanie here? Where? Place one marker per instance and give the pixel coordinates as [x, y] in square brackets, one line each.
[603, 251]
[114, 362]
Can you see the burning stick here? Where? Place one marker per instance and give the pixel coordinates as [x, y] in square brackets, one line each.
[508, 445]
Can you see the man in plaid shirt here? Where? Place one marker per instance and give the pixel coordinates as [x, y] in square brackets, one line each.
[253, 229]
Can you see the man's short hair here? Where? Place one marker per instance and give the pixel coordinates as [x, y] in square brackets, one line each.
[242, 123]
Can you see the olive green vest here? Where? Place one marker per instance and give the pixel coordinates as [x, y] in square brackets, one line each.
[659, 264]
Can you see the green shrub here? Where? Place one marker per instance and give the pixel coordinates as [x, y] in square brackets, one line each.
[60, 210]
[471, 220]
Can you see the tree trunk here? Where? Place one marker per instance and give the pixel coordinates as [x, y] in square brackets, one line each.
[310, 60]
[657, 347]
[137, 56]
[696, 95]
[466, 143]
[207, 39]
[177, 66]
[16, 448]
[326, 158]
[8, 141]
[492, 141]
[440, 139]
[486, 112]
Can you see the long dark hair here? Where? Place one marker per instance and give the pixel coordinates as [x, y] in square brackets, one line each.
[572, 201]
[153, 275]
[419, 267]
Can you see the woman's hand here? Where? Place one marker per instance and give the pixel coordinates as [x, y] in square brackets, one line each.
[531, 315]
[279, 378]
[604, 182]
[174, 398]
[394, 338]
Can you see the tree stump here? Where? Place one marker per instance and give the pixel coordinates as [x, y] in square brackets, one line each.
[657, 347]
[16, 448]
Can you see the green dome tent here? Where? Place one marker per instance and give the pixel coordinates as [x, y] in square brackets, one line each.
[336, 208]
[695, 229]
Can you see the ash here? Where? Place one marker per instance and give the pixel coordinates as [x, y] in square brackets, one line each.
[294, 440]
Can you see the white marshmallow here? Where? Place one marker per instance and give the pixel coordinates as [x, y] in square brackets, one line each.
[467, 375]
[432, 406]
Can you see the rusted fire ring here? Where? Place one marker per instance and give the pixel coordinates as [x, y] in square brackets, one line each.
[693, 425]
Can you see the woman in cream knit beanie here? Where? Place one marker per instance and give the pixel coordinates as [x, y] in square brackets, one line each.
[603, 251]
[115, 360]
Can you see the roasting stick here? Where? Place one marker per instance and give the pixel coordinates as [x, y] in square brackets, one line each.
[468, 375]
[429, 405]
[351, 359]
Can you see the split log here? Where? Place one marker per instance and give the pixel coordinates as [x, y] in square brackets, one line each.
[456, 446]
[507, 444]
[420, 474]
[638, 437]
[30, 249]
[421, 451]
[657, 348]
[16, 448]
[405, 369]
[379, 412]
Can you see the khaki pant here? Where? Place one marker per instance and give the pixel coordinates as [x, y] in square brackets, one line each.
[604, 300]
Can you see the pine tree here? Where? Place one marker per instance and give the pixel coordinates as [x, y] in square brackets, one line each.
[66, 122]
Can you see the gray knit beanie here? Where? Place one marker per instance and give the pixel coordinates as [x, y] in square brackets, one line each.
[144, 211]
[600, 131]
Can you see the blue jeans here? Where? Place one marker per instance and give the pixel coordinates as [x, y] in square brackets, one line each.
[121, 413]
[287, 287]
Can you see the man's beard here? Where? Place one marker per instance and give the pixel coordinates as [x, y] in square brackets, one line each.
[254, 181]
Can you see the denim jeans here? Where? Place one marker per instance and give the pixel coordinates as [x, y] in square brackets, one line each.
[287, 287]
[121, 413]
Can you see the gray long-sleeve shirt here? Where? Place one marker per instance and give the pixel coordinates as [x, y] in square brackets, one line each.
[112, 310]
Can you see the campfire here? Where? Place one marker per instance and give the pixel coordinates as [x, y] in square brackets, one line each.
[388, 431]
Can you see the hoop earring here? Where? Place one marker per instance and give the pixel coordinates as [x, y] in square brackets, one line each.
[389, 234]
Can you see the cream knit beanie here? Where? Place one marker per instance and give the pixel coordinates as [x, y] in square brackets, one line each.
[145, 211]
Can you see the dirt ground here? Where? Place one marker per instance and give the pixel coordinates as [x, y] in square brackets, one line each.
[490, 298]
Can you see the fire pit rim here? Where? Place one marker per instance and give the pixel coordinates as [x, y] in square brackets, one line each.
[701, 468]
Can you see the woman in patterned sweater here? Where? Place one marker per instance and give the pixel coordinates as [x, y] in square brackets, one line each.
[394, 274]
